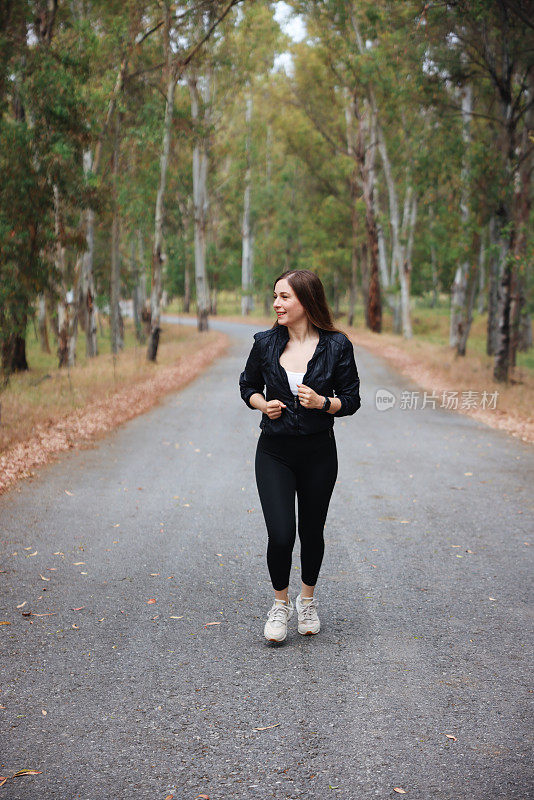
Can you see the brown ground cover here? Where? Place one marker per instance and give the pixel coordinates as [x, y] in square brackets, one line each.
[65, 412]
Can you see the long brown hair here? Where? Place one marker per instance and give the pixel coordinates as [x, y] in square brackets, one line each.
[310, 293]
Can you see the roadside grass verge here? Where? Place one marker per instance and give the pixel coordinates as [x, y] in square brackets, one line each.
[48, 410]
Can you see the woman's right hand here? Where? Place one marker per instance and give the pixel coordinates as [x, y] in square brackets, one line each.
[273, 409]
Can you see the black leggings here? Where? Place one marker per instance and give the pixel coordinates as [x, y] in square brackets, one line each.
[307, 465]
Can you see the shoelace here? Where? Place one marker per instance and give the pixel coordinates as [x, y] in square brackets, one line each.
[278, 613]
[309, 609]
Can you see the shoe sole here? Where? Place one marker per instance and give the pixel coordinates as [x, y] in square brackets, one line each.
[270, 639]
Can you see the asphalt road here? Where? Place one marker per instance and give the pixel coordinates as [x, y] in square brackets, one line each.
[425, 599]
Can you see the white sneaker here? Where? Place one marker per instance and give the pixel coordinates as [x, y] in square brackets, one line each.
[307, 614]
[276, 626]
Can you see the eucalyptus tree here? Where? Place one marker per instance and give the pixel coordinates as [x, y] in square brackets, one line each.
[188, 33]
[45, 113]
[365, 46]
[490, 45]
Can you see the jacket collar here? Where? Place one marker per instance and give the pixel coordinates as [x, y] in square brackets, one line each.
[283, 336]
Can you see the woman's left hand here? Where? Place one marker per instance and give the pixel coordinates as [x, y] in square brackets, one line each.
[308, 398]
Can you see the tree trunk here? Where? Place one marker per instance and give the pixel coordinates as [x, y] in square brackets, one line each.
[187, 288]
[354, 194]
[67, 316]
[496, 259]
[481, 299]
[518, 160]
[42, 326]
[200, 91]
[117, 340]
[88, 306]
[353, 289]
[521, 208]
[335, 293]
[467, 315]
[247, 299]
[398, 303]
[185, 217]
[459, 294]
[158, 257]
[433, 258]
[365, 161]
[14, 350]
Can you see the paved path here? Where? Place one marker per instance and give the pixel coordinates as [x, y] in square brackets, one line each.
[424, 600]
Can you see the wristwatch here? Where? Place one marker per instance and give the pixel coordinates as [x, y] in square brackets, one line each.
[326, 404]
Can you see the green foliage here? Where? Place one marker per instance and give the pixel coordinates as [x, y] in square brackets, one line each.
[55, 99]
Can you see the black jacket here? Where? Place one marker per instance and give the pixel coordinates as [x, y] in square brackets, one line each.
[331, 371]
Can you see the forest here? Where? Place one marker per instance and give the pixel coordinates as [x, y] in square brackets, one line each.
[158, 150]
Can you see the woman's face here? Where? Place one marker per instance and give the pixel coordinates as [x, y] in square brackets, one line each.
[287, 306]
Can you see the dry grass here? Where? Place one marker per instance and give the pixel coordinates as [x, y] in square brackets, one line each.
[42, 416]
[44, 395]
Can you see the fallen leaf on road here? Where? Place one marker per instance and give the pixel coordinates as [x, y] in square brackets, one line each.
[211, 623]
[32, 554]
[117, 525]
[266, 728]
[78, 563]
[75, 626]
[155, 574]
[151, 600]
[172, 617]
[492, 598]
[399, 790]
[5, 622]
[450, 736]
[78, 609]
[43, 577]
[203, 796]
[43, 712]
[67, 492]
[4, 778]
[27, 772]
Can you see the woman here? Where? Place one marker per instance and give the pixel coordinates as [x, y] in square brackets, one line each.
[307, 367]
